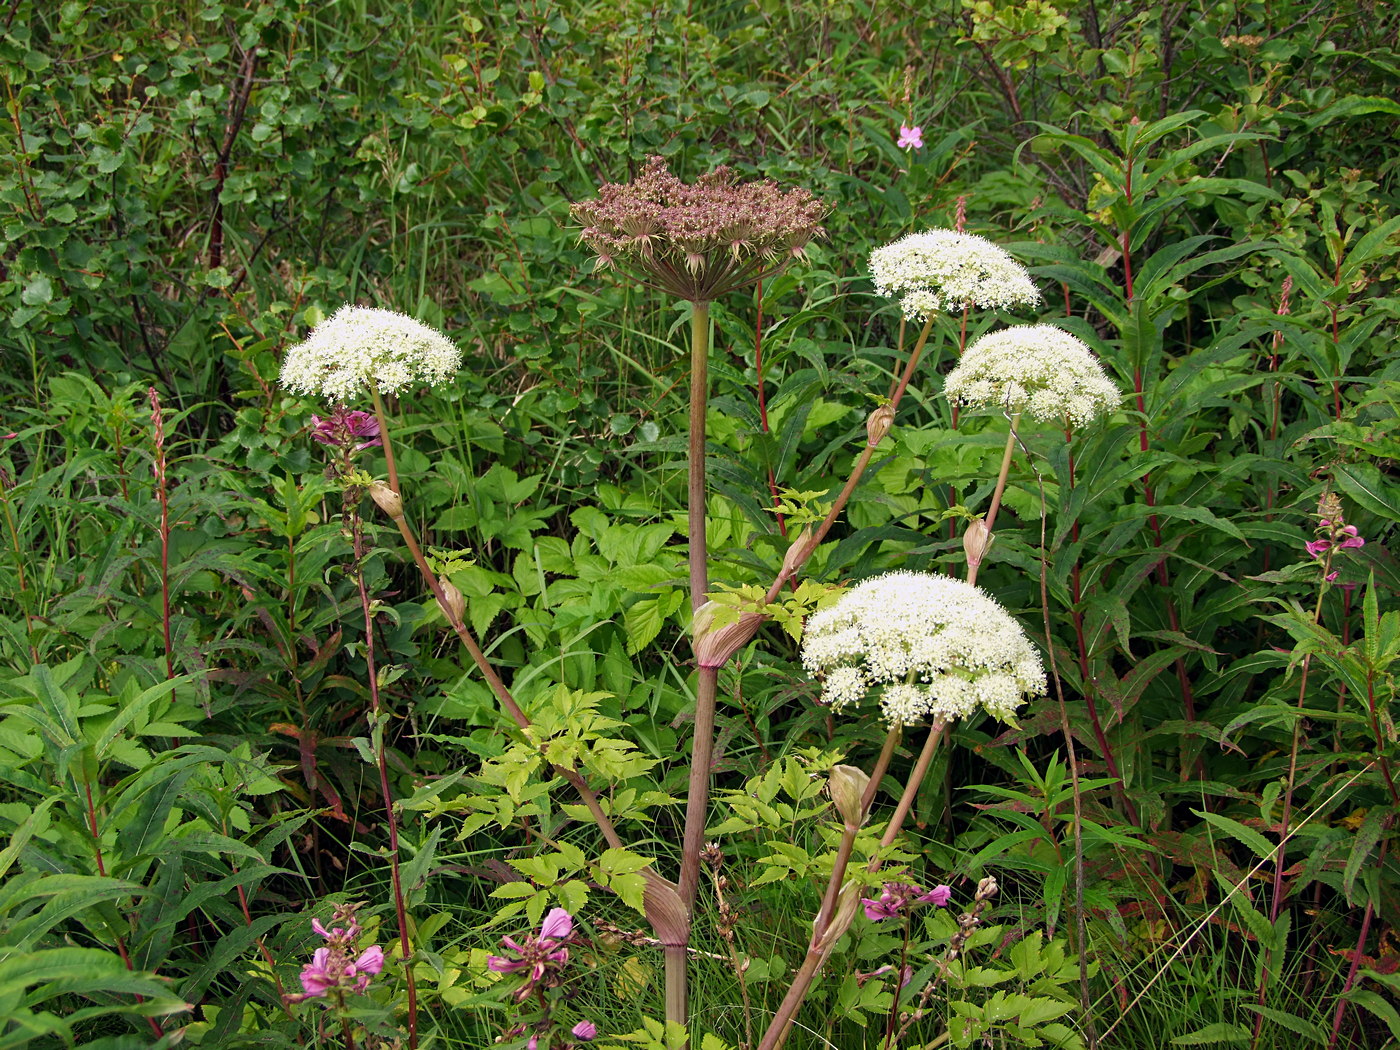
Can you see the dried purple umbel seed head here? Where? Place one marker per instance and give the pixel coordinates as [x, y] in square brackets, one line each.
[698, 241]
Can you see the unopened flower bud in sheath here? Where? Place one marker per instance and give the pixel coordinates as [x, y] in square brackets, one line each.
[715, 644]
[386, 499]
[847, 785]
[800, 550]
[452, 602]
[878, 424]
[976, 540]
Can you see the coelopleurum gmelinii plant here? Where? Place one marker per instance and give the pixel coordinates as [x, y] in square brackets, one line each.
[696, 241]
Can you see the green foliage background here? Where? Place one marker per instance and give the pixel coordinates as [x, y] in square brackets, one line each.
[187, 186]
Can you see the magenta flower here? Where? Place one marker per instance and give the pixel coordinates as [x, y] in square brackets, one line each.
[331, 965]
[557, 925]
[540, 956]
[897, 897]
[316, 976]
[586, 1031]
[1338, 537]
[910, 138]
[343, 428]
[939, 896]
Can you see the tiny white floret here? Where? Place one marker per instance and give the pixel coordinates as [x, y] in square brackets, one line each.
[360, 346]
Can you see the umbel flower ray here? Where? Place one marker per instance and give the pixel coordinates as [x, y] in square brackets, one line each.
[1037, 369]
[932, 647]
[698, 241]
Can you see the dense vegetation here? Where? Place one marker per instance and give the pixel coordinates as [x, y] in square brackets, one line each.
[229, 703]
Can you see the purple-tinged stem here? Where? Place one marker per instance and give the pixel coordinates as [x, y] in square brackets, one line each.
[696, 488]
[378, 729]
[822, 931]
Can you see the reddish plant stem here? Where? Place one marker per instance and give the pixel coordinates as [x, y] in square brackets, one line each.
[824, 933]
[1280, 859]
[698, 790]
[1086, 686]
[862, 461]
[763, 400]
[1271, 494]
[156, 1029]
[696, 487]
[1340, 1013]
[377, 730]
[1336, 339]
[488, 672]
[19, 564]
[163, 495]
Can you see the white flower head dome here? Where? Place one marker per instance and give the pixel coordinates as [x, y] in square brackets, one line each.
[1037, 369]
[932, 646]
[942, 271]
[358, 346]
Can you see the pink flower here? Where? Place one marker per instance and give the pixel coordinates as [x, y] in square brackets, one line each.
[910, 138]
[586, 1031]
[342, 428]
[939, 896]
[540, 956]
[370, 962]
[557, 925]
[316, 976]
[331, 965]
[896, 897]
[1317, 548]
[1352, 539]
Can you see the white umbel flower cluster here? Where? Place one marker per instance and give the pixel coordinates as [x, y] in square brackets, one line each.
[1037, 369]
[938, 648]
[358, 346]
[941, 271]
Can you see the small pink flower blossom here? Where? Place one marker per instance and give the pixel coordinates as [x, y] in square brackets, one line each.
[331, 965]
[939, 896]
[910, 138]
[541, 956]
[586, 1031]
[343, 428]
[557, 925]
[316, 976]
[896, 898]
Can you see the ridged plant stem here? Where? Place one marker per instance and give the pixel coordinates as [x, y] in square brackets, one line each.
[699, 399]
